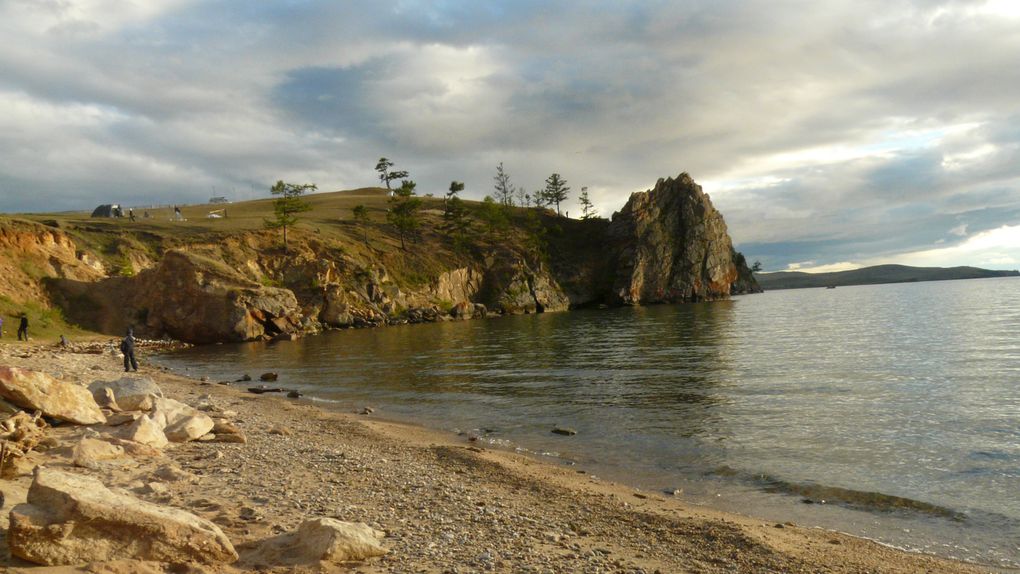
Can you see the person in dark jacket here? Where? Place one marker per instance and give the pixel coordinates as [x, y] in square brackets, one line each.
[23, 327]
[127, 346]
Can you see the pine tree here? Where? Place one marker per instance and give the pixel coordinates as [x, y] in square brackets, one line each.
[287, 205]
[504, 189]
[404, 211]
[385, 175]
[587, 207]
[555, 191]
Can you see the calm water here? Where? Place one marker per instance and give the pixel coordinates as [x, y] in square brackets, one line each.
[896, 405]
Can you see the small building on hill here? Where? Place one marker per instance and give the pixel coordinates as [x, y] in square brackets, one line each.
[108, 210]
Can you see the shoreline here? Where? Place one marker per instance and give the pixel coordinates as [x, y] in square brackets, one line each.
[447, 505]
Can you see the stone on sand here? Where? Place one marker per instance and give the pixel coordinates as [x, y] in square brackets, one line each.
[322, 539]
[89, 452]
[36, 391]
[130, 393]
[74, 519]
[183, 423]
[146, 430]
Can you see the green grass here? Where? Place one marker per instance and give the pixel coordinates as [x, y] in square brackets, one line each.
[45, 325]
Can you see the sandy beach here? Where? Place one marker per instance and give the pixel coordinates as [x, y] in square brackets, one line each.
[444, 503]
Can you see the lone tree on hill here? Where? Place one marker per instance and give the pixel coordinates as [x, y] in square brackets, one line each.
[287, 204]
[756, 267]
[504, 189]
[360, 213]
[455, 188]
[385, 175]
[587, 207]
[404, 211]
[555, 191]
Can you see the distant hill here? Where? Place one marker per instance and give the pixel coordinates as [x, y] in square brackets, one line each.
[874, 275]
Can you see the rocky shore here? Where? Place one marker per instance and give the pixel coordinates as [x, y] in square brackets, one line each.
[263, 483]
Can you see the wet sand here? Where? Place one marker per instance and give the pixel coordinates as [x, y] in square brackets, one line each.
[446, 504]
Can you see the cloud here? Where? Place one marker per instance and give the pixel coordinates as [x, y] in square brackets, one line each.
[828, 132]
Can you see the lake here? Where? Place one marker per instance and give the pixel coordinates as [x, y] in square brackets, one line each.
[886, 411]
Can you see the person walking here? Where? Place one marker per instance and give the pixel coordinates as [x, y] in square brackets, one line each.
[1, 327]
[23, 327]
[127, 346]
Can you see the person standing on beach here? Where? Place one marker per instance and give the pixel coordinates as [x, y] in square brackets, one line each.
[127, 346]
[23, 327]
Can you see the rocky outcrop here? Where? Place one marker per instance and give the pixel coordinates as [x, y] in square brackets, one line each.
[202, 301]
[74, 519]
[38, 391]
[670, 245]
[31, 252]
[513, 287]
[746, 282]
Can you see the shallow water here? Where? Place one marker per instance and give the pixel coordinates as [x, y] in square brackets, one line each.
[893, 409]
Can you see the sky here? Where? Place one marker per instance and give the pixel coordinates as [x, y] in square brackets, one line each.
[830, 134]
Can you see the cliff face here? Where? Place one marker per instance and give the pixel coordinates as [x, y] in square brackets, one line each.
[670, 245]
[31, 252]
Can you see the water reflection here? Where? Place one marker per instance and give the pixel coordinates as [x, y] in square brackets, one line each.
[636, 376]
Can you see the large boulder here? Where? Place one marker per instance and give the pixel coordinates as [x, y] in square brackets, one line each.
[129, 393]
[670, 245]
[38, 391]
[74, 519]
[322, 540]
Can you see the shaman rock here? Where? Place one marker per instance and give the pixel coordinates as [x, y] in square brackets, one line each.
[670, 245]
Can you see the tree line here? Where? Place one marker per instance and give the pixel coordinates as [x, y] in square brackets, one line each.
[404, 212]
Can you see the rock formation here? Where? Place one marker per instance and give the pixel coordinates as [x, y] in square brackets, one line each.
[670, 245]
